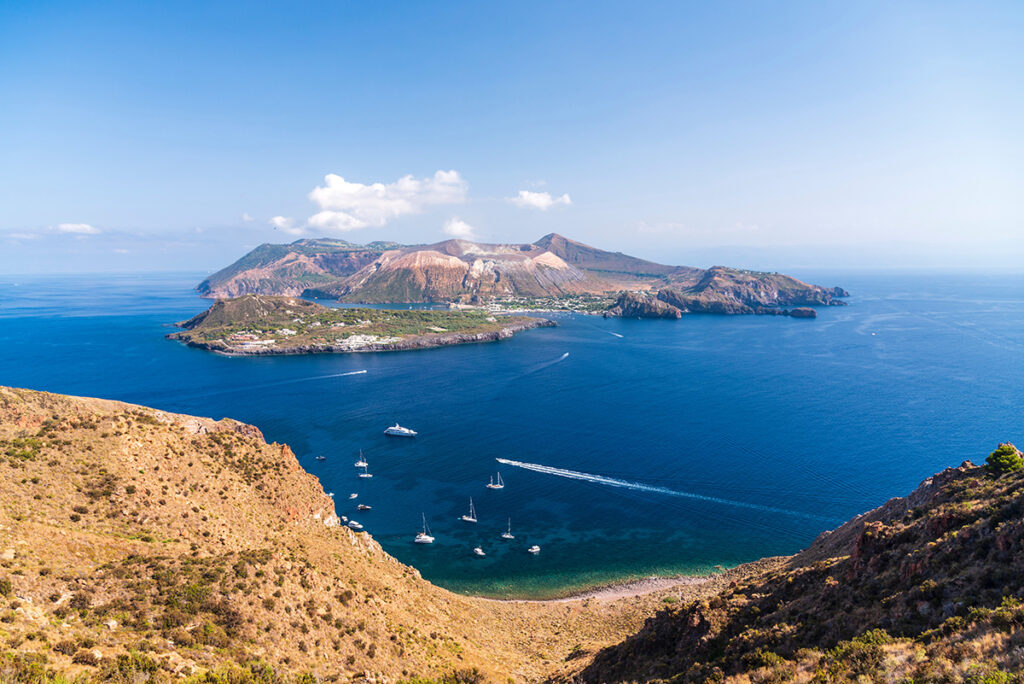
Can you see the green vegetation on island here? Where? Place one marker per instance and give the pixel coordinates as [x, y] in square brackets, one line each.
[256, 324]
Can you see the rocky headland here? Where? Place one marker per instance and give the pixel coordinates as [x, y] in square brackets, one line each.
[257, 325]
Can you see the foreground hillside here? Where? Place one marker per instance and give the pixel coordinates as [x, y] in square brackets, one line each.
[459, 270]
[928, 588]
[138, 545]
[260, 324]
[141, 546]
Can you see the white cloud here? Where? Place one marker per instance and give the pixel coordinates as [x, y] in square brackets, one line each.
[23, 236]
[247, 217]
[458, 228]
[538, 200]
[347, 206]
[286, 225]
[79, 228]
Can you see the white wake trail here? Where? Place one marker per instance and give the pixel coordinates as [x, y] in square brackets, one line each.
[639, 486]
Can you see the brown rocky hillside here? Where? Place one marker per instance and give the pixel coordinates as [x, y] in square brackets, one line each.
[138, 546]
[927, 588]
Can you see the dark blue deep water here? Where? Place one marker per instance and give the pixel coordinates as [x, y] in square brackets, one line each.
[747, 435]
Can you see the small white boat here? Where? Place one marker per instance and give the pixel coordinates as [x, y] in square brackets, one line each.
[321, 458]
[361, 463]
[344, 518]
[534, 549]
[363, 507]
[353, 495]
[508, 533]
[478, 551]
[365, 473]
[330, 494]
[496, 485]
[354, 525]
[471, 516]
[424, 537]
[397, 430]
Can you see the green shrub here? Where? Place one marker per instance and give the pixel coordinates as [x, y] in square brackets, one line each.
[1005, 459]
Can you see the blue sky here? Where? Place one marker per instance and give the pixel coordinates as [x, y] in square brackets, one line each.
[139, 136]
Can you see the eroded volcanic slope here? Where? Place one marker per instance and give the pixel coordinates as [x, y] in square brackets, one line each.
[459, 270]
[138, 545]
[927, 588]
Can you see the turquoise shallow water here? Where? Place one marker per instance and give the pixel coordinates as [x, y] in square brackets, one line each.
[688, 444]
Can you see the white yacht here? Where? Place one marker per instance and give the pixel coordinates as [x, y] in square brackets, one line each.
[361, 463]
[471, 516]
[363, 507]
[353, 495]
[478, 551]
[424, 536]
[321, 458]
[507, 534]
[354, 525]
[534, 549]
[398, 431]
[365, 472]
[500, 484]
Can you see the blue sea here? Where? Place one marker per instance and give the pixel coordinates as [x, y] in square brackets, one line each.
[646, 447]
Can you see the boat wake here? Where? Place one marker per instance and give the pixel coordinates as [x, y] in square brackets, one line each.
[616, 334]
[654, 489]
[547, 364]
[292, 381]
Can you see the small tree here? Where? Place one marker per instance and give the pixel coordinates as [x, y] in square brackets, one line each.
[1005, 459]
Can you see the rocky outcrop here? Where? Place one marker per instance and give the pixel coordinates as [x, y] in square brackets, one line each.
[641, 305]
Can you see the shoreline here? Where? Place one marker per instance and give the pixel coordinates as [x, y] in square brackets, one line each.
[428, 341]
[651, 584]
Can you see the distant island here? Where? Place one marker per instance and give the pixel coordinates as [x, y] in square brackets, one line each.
[267, 325]
[551, 273]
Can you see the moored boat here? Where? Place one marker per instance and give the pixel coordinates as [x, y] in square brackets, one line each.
[471, 516]
[424, 537]
[397, 430]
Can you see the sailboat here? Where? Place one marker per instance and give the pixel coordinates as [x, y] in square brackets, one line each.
[471, 516]
[365, 472]
[361, 463]
[496, 485]
[508, 533]
[424, 536]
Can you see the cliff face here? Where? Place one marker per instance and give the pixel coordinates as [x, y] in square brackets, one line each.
[462, 270]
[641, 305]
[924, 588]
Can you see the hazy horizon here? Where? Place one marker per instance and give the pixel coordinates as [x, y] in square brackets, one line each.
[774, 137]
